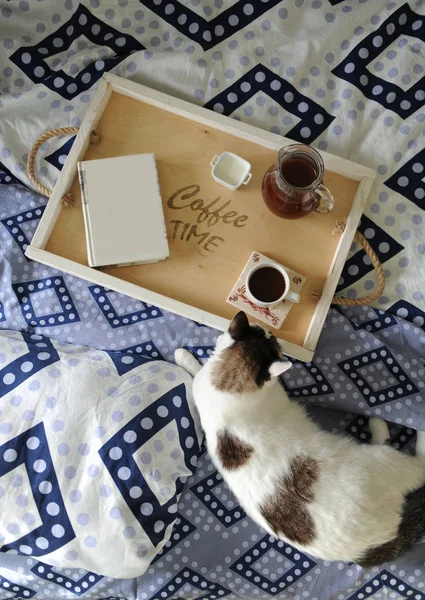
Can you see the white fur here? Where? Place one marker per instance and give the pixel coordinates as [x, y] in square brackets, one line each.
[360, 488]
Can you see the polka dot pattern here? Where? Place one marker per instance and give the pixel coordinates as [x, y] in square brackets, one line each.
[407, 311]
[408, 72]
[103, 300]
[257, 572]
[188, 579]
[210, 494]
[31, 450]
[143, 486]
[407, 181]
[364, 66]
[68, 313]
[208, 33]
[82, 22]
[402, 385]
[358, 265]
[57, 157]
[261, 79]
[83, 581]
[135, 356]
[12, 589]
[22, 368]
[14, 225]
[317, 384]
[396, 207]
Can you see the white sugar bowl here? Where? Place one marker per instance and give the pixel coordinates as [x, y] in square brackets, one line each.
[231, 170]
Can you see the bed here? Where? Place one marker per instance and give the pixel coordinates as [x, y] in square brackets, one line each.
[361, 61]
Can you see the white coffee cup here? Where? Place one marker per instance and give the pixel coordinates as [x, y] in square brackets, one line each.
[287, 293]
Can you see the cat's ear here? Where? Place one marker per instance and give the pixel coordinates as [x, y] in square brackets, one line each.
[279, 367]
[239, 326]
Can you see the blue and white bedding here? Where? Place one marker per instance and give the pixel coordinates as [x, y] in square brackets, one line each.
[96, 447]
[274, 64]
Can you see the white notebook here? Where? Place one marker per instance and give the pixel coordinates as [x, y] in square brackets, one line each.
[123, 214]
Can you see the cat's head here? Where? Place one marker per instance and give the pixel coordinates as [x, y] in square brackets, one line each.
[248, 357]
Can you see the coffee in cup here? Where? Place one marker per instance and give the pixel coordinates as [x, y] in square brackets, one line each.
[267, 284]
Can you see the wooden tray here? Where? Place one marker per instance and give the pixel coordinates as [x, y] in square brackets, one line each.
[206, 256]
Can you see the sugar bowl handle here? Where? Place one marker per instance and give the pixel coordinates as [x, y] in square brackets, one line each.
[247, 179]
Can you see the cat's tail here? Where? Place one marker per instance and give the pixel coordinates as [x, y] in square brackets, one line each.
[410, 530]
[412, 524]
[187, 361]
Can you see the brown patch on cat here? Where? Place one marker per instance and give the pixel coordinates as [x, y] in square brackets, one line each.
[304, 472]
[244, 366]
[286, 511]
[232, 451]
[234, 372]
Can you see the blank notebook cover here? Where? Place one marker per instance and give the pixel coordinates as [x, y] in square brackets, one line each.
[123, 214]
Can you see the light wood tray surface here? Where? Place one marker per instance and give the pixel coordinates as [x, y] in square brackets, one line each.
[201, 271]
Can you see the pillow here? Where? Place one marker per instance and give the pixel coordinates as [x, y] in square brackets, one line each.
[94, 450]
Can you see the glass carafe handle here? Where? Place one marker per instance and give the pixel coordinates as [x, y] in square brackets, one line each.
[326, 200]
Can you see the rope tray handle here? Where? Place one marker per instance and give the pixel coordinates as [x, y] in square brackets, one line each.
[67, 198]
[338, 230]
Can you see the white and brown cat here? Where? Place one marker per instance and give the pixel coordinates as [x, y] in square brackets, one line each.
[326, 494]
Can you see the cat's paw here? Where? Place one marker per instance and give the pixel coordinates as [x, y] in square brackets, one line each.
[420, 443]
[379, 431]
[187, 361]
[181, 355]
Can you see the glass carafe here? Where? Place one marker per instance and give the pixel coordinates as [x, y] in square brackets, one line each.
[293, 187]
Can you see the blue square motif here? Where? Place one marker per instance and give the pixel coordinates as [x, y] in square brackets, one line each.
[353, 68]
[24, 290]
[32, 59]
[313, 118]
[249, 565]
[100, 296]
[402, 386]
[14, 224]
[79, 587]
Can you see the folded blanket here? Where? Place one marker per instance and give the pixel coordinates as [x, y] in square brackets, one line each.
[94, 450]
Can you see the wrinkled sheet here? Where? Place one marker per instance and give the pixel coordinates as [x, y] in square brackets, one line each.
[343, 75]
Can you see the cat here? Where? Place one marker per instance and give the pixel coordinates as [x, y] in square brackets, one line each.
[324, 493]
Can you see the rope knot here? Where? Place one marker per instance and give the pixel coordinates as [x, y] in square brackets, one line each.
[68, 200]
[339, 228]
[94, 137]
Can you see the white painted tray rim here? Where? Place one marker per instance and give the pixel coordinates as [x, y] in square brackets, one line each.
[112, 83]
